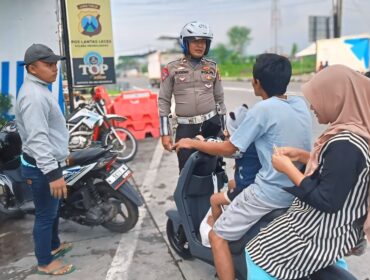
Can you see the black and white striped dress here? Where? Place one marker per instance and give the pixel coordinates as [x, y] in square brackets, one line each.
[322, 225]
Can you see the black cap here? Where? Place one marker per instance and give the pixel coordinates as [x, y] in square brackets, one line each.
[40, 52]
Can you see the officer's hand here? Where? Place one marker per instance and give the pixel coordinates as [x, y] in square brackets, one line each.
[185, 143]
[58, 188]
[167, 142]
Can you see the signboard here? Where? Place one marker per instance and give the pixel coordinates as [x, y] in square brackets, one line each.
[318, 28]
[90, 42]
[352, 51]
[35, 22]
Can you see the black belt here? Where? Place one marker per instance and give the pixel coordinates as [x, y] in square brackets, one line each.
[29, 159]
[32, 161]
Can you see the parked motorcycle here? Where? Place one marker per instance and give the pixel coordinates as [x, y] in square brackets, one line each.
[196, 183]
[91, 123]
[99, 192]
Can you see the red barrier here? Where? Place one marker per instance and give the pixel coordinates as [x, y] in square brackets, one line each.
[101, 93]
[140, 107]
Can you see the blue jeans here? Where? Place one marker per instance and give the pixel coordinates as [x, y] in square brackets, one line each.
[45, 230]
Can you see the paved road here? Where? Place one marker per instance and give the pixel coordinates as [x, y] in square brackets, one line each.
[143, 253]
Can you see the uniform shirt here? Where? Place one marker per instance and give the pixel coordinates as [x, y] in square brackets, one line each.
[324, 222]
[280, 122]
[197, 89]
[42, 126]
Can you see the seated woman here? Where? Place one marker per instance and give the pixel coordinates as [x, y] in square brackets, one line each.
[326, 219]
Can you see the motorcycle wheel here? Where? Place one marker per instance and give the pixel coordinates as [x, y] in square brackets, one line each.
[127, 214]
[10, 214]
[127, 151]
[8, 211]
[178, 240]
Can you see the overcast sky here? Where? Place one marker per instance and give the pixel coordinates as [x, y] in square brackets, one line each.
[138, 23]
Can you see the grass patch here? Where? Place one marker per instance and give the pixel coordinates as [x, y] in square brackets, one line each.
[244, 70]
[236, 70]
[304, 65]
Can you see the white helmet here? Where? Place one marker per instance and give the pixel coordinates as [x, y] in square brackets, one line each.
[195, 30]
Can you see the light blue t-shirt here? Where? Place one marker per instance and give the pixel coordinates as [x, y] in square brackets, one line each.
[280, 122]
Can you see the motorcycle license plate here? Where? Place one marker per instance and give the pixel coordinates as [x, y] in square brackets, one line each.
[118, 176]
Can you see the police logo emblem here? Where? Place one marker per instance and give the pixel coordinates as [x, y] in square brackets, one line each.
[89, 19]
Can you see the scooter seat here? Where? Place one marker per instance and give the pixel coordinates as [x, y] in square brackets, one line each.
[237, 247]
[84, 156]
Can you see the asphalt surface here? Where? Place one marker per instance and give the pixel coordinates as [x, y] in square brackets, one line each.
[142, 253]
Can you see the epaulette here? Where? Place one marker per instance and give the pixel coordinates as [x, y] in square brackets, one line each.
[210, 61]
[175, 61]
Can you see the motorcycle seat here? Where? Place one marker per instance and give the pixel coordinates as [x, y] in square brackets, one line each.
[237, 247]
[80, 157]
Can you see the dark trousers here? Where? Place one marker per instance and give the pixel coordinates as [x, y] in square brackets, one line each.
[211, 127]
[45, 230]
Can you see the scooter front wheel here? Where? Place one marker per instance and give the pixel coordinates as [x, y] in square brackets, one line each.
[178, 241]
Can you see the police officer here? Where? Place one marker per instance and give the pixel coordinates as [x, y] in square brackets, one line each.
[195, 83]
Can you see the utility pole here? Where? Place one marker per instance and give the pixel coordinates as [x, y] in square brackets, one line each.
[275, 23]
[337, 17]
[67, 54]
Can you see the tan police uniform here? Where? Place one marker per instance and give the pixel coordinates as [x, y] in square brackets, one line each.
[198, 95]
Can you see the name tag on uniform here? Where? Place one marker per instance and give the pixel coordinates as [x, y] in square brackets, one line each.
[182, 72]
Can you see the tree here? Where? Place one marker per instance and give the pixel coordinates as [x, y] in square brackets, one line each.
[127, 63]
[5, 105]
[294, 50]
[239, 37]
[220, 53]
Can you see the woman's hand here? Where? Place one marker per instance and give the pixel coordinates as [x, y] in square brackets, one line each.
[281, 163]
[284, 164]
[294, 154]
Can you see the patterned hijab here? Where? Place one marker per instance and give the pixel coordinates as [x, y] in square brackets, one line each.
[341, 98]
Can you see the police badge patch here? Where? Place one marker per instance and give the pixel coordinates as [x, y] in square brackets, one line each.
[165, 73]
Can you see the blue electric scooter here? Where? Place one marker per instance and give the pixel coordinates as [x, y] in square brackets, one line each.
[192, 198]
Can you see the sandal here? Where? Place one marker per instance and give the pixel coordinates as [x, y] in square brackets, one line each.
[61, 270]
[63, 249]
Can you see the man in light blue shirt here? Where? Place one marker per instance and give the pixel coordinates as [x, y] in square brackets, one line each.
[277, 120]
[42, 128]
[280, 122]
